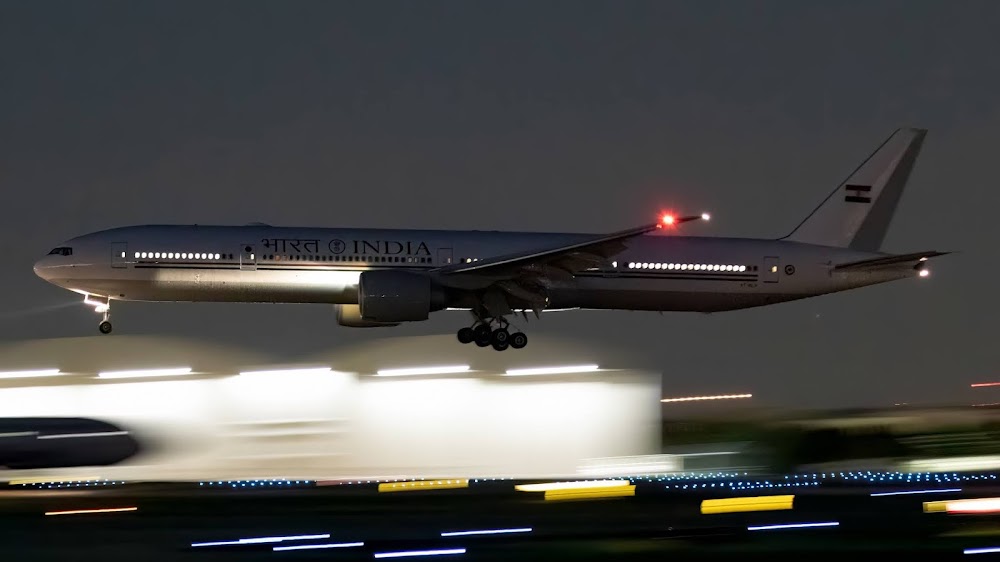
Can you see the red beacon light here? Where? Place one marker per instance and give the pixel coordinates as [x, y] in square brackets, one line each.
[670, 220]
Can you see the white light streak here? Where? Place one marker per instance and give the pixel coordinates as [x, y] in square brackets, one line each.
[984, 550]
[406, 553]
[279, 372]
[18, 434]
[954, 464]
[792, 526]
[561, 370]
[79, 435]
[911, 492]
[30, 373]
[412, 371]
[319, 546]
[486, 532]
[715, 397]
[581, 484]
[261, 540]
[140, 373]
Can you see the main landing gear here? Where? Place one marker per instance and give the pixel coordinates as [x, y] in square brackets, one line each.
[483, 334]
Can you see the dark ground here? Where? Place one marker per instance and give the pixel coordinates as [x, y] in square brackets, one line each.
[657, 523]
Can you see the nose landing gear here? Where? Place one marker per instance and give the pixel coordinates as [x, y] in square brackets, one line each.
[103, 308]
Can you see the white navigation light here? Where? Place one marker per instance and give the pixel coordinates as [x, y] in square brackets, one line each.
[142, 373]
[561, 370]
[30, 374]
[705, 216]
[415, 371]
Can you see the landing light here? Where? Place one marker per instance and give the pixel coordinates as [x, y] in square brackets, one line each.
[705, 216]
[924, 272]
[99, 307]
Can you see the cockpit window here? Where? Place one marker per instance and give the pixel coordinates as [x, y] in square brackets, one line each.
[62, 251]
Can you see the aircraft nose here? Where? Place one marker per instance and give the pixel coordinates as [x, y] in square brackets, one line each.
[43, 267]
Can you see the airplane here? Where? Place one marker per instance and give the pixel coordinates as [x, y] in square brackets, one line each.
[382, 277]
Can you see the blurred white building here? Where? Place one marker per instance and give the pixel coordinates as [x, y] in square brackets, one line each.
[205, 412]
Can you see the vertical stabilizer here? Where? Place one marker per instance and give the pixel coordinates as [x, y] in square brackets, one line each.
[857, 214]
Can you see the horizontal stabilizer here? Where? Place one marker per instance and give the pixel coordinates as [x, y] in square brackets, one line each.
[889, 261]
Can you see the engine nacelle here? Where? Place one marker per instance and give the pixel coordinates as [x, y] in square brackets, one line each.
[395, 296]
[350, 315]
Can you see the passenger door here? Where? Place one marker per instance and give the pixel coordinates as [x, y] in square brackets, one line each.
[444, 256]
[771, 267]
[248, 257]
[119, 254]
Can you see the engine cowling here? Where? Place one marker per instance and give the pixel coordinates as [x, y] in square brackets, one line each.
[395, 296]
[350, 315]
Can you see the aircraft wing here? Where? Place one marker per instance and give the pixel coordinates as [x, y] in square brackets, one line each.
[585, 253]
[913, 259]
[520, 280]
[600, 246]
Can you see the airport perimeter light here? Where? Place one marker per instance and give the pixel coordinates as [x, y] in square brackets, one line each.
[143, 373]
[416, 371]
[561, 370]
[715, 397]
[30, 374]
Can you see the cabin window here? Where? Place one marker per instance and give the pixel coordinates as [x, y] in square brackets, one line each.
[62, 251]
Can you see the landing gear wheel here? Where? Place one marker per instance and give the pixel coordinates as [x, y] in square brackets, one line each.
[104, 327]
[466, 335]
[500, 336]
[518, 340]
[500, 345]
[484, 336]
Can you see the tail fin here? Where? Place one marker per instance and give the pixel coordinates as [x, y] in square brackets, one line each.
[857, 214]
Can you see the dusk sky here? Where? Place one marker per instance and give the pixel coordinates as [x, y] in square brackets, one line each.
[569, 116]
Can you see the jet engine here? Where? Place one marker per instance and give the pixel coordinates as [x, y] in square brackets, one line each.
[396, 296]
[350, 315]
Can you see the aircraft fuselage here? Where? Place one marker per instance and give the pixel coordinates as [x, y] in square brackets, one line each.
[659, 272]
